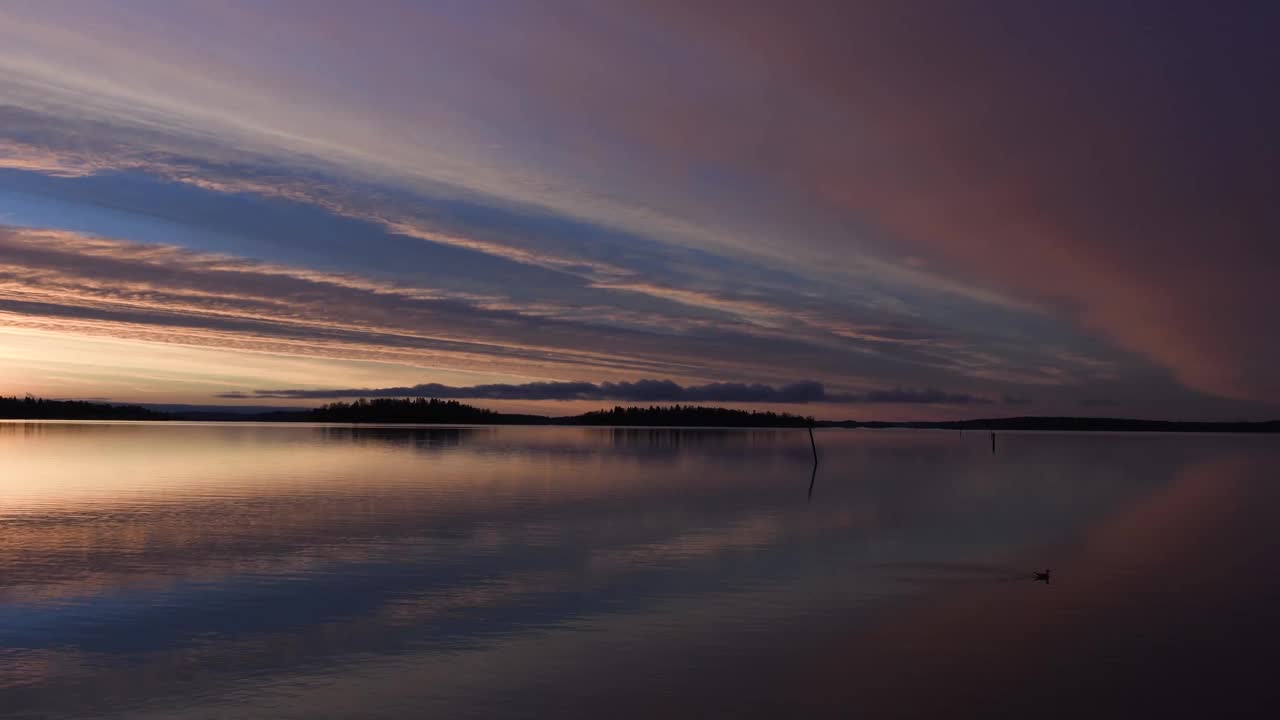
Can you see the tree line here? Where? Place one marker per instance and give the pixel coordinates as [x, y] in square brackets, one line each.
[407, 410]
[688, 416]
[33, 408]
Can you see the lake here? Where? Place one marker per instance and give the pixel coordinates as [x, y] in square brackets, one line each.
[290, 571]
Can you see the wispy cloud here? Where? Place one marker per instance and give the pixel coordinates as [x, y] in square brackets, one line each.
[54, 279]
[760, 309]
[68, 282]
[578, 273]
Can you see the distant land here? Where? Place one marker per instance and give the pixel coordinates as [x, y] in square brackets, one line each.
[435, 411]
[1073, 424]
[401, 410]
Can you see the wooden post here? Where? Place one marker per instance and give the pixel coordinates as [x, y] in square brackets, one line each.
[813, 476]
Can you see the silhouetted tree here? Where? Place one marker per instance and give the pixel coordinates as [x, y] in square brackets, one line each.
[411, 410]
[33, 408]
[688, 416]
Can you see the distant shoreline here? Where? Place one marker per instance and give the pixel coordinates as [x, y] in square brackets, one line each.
[1070, 424]
[1248, 428]
[424, 411]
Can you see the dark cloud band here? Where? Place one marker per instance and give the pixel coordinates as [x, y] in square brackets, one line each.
[639, 391]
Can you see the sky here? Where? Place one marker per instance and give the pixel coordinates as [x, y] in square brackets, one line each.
[879, 209]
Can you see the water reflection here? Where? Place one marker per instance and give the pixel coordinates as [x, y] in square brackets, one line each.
[320, 571]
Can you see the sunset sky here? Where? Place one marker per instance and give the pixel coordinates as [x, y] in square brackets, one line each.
[879, 209]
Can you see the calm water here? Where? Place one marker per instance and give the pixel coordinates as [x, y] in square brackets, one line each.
[234, 571]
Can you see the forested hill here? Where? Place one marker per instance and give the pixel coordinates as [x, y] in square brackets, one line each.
[423, 410]
[407, 410]
[30, 408]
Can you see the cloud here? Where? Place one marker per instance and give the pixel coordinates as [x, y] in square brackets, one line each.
[72, 283]
[580, 256]
[641, 391]
[927, 396]
[76, 283]
[1094, 402]
[1092, 166]
[1106, 167]
[638, 391]
[528, 264]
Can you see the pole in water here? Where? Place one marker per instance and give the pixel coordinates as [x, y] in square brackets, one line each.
[993, 443]
[813, 476]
